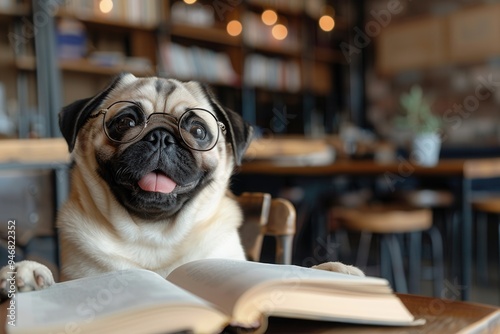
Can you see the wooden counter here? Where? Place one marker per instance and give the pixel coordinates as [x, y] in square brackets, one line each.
[34, 151]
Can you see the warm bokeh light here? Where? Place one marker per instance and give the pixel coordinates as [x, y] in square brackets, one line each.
[105, 6]
[189, 2]
[279, 32]
[234, 28]
[269, 17]
[326, 23]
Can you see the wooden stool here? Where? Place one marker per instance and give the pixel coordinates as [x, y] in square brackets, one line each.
[483, 208]
[389, 222]
[444, 217]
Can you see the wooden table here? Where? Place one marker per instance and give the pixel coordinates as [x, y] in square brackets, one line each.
[34, 151]
[442, 316]
[466, 170]
[356, 167]
[39, 154]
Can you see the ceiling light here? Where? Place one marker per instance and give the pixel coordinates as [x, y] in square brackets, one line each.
[234, 28]
[269, 17]
[326, 23]
[105, 6]
[279, 32]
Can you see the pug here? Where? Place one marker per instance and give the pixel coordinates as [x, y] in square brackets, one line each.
[151, 164]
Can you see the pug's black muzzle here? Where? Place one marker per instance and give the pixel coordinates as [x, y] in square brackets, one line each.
[159, 151]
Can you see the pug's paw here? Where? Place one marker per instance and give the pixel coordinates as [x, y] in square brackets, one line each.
[340, 268]
[26, 276]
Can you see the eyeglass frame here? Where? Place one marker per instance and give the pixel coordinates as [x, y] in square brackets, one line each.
[103, 112]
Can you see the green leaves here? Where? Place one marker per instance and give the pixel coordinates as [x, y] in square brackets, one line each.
[418, 115]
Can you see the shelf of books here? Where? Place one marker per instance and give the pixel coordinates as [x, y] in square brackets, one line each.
[18, 85]
[125, 14]
[107, 40]
[193, 62]
[231, 47]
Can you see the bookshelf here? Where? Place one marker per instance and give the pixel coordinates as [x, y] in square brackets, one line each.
[314, 108]
[18, 72]
[94, 46]
[252, 72]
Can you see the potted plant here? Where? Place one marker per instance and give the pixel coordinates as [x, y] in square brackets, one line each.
[423, 124]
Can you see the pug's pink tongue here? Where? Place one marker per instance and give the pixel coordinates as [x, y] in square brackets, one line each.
[157, 182]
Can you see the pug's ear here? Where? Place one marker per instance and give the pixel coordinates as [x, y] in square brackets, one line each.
[73, 116]
[238, 132]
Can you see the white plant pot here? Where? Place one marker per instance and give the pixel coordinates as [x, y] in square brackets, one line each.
[425, 149]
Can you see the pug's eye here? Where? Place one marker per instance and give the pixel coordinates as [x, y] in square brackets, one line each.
[198, 131]
[124, 123]
[126, 120]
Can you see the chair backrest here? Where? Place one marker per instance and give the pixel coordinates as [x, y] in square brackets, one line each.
[255, 207]
[266, 216]
[281, 225]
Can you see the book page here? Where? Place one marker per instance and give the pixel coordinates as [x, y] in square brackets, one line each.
[249, 291]
[82, 300]
[223, 282]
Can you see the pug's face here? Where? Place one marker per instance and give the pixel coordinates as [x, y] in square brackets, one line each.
[155, 142]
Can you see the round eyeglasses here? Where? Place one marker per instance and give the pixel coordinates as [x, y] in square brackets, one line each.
[125, 121]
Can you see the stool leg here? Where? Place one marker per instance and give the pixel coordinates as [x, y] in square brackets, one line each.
[498, 269]
[331, 243]
[397, 262]
[437, 260]
[385, 260]
[415, 262]
[482, 247]
[455, 244]
[343, 245]
[365, 240]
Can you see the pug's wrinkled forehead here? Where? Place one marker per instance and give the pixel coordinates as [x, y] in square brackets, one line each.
[159, 95]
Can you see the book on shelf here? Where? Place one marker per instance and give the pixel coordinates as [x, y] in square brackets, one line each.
[205, 296]
[197, 63]
[197, 15]
[272, 73]
[141, 13]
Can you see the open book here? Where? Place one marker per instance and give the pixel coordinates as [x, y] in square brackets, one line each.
[204, 296]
